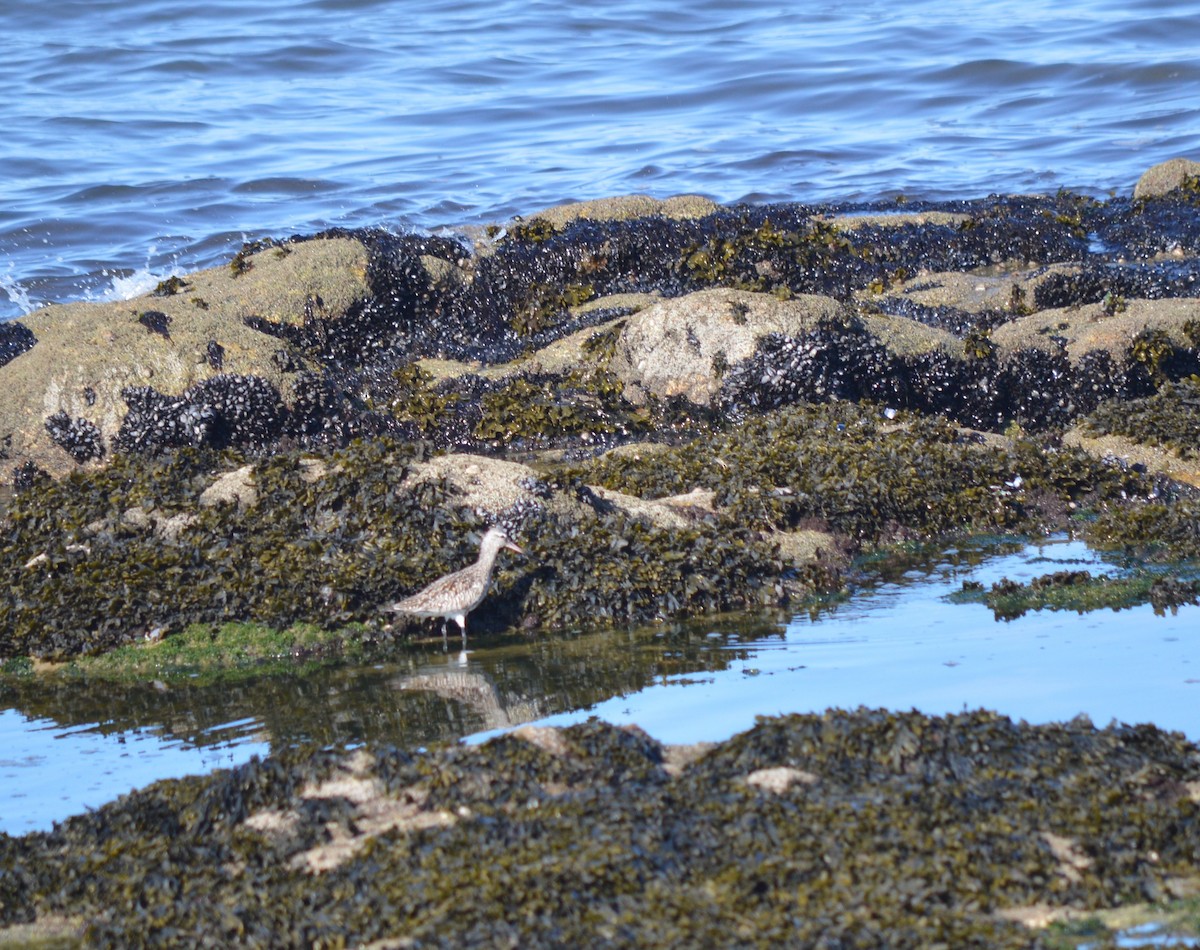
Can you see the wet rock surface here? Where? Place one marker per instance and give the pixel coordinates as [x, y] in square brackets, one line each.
[857, 828]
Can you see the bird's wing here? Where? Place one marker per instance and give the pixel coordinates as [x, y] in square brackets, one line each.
[451, 583]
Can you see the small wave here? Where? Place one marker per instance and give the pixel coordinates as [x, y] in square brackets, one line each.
[17, 295]
[125, 285]
[141, 281]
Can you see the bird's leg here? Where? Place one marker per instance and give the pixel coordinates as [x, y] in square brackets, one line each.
[445, 624]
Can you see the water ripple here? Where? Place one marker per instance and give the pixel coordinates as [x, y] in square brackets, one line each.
[128, 124]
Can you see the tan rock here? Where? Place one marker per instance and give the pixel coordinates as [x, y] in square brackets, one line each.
[1155, 458]
[681, 347]
[999, 289]
[655, 512]
[677, 347]
[804, 546]
[779, 779]
[486, 484]
[884, 219]
[1091, 328]
[237, 487]
[628, 207]
[1165, 177]
[88, 352]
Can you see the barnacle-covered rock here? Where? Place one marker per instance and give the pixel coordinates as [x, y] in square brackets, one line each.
[1160, 432]
[960, 301]
[487, 484]
[89, 353]
[626, 208]
[1115, 327]
[236, 488]
[682, 347]
[1166, 177]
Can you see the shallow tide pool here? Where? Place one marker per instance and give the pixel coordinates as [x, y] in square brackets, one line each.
[900, 643]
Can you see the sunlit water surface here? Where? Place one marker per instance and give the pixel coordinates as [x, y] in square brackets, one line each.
[143, 137]
[900, 644]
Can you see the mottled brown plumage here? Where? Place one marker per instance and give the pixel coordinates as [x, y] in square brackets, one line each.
[454, 596]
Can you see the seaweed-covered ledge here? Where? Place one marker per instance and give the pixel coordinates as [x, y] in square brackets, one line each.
[863, 828]
[679, 408]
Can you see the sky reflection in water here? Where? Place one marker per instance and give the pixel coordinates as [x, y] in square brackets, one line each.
[903, 646]
[898, 645]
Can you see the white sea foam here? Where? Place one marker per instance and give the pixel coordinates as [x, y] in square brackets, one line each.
[10, 286]
[141, 281]
[126, 286]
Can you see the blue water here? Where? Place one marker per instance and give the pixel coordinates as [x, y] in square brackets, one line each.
[144, 137]
[899, 645]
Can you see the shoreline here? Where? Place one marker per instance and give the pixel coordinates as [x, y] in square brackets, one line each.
[657, 369]
[678, 409]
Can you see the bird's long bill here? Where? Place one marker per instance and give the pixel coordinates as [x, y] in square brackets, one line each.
[511, 545]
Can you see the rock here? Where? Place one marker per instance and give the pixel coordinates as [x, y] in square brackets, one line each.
[87, 354]
[627, 207]
[1005, 290]
[893, 219]
[236, 487]
[681, 347]
[804, 546]
[779, 779]
[658, 513]
[1080, 330]
[486, 484]
[1131, 452]
[1165, 177]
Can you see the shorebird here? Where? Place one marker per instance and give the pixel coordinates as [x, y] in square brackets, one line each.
[454, 596]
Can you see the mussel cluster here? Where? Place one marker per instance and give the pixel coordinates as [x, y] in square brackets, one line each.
[15, 339]
[78, 437]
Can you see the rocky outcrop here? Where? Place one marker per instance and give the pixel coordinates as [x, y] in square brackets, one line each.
[1166, 177]
[682, 347]
[94, 363]
[682, 407]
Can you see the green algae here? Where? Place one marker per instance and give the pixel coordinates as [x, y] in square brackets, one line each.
[536, 230]
[417, 401]
[202, 653]
[169, 287]
[545, 304]
[1169, 923]
[1150, 349]
[581, 405]
[730, 260]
